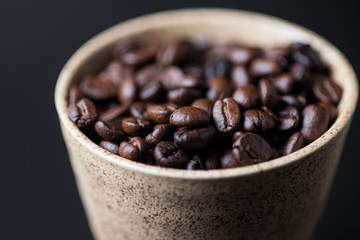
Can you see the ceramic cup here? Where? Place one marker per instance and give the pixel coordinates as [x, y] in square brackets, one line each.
[278, 199]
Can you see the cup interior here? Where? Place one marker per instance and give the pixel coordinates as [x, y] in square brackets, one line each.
[217, 25]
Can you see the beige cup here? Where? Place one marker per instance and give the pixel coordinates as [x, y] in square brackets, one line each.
[279, 199]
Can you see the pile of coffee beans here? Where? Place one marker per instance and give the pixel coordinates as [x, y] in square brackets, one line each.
[193, 105]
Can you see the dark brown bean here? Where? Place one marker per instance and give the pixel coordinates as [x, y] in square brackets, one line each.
[219, 67]
[306, 55]
[294, 143]
[194, 139]
[299, 71]
[268, 94]
[74, 95]
[152, 91]
[261, 67]
[189, 117]
[174, 53]
[171, 77]
[331, 109]
[289, 119]
[135, 149]
[203, 104]
[314, 123]
[284, 83]
[326, 90]
[209, 158]
[123, 46]
[270, 113]
[183, 96]
[139, 56]
[147, 74]
[110, 146]
[257, 120]
[241, 55]
[295, 101]
[236, 135]
[135, 126]
[247, 96]
[116, 72]
[109, 131]
[83, 113]
[190, 81]
[161, 132]
[160, 113]
[138, 110]
[279, 55]
[235, 158]
[168, 155]
[97, 88]
[114, 113]
[127, 90]
[219, 88]
[240, 76]
[226, 115]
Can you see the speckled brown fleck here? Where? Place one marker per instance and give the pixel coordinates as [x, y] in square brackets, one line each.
[279, 199]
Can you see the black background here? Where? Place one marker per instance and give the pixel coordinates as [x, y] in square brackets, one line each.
[38, 196]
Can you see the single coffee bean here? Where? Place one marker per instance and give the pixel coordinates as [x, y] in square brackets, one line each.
[171, 77]
[294, 143]
[109, 131]
[331, 109]
[299, 71]
[203, 104]
[168, 155]
[152, 91]
[254, 146]
[241, 55]
[160, 113]
[194, 139]
[138, 110]
[110, 146]
[135, 149]
[284, 83]
[114, 113]
[135, 126]
[236, 135]
[261, 67]
[147, 74]
[139, 56]
[217, 68]
[74, 95]
[98, 88]
[83, 113]
[257, 120]
[174, 53]
[240, 76]
[289, 119]
[183, 96]
[116, 72]
[326, 90]
[219, 88]
[226, 115]
[161, 132]
[314, 123]
[295, 101]
[234, 158]
[247, 96]
[268, 94]
[127, 90]
[189, 117]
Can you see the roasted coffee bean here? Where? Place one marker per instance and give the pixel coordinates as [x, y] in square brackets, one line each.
[261, 67]
[254, 146]
[189, 117]
[190, 81]
[135, 126]
[160, 113]
[97, 88]
[247, 96]
[241, 55]
[138, 110]
[109, 131]
[279, 55]
[183, 96]
[294, 143]
[209, 158]
[147, 74]
[314, 123]
[331, 109]
[123, 46]
[167, 154]
[284, 83]
[234, 158]
[236, 135]
[194, 70]
[226, 115]
[268, 93]
[135, 149]
[295, 101]
[83, 113]
[240, 76]
[127, 90]
[289, 119]
[74, 95]
[299, 71]
[194, 163]
[171, 77]
[257, 120]
[203, 104]
[152, 91]
[217, 68]
[306, 55]
[174, 53]
[161, 132]
[219, 88]
[110, 146]
[139, 56]
[116, 72]
[114, 113]
[270, 113]
[194, 139]
[326, 90]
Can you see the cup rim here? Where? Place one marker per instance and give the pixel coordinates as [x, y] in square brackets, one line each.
[102, 39]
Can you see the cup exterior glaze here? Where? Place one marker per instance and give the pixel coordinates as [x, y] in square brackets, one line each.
[279, 199]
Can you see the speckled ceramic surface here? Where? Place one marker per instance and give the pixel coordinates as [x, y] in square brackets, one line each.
[279, 199]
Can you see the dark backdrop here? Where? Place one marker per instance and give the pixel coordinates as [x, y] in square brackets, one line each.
[38, 196]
